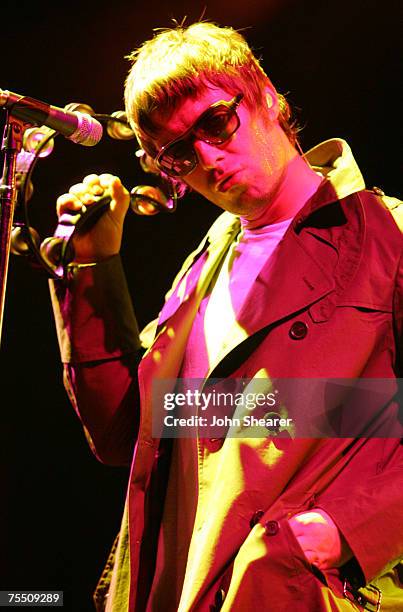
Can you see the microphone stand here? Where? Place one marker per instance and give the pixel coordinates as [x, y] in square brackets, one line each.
[11, 146]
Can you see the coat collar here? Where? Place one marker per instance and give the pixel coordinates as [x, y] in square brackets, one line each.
[334, 160]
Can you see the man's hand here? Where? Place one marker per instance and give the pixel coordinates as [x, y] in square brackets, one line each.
[319, 538]
[104, 239]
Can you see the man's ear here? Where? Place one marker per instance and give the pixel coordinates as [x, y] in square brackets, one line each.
[272, 103]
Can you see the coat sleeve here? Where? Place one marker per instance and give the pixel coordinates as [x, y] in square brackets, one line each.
[395, 208]
[370, 514]
[100, 348]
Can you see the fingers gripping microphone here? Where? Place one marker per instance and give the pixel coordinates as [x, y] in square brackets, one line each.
[79, 127]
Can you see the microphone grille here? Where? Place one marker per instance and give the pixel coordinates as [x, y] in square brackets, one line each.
[89, 130]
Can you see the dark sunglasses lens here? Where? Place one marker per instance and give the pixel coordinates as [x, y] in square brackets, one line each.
[178, 159]
[218, 125]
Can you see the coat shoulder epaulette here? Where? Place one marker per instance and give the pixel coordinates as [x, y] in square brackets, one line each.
[393, 205]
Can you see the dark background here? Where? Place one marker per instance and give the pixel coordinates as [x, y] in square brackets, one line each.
[60, 509]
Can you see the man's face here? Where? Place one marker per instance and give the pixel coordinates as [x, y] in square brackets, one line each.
[244, 174]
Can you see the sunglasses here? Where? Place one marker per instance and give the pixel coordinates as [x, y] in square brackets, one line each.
[215, 126]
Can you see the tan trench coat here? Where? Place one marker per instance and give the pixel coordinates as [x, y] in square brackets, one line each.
[338, 272]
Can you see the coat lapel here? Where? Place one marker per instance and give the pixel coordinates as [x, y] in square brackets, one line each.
[164, 358]
[292, 280]
[200, 267]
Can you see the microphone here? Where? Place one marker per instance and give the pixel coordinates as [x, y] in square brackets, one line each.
[79, 127]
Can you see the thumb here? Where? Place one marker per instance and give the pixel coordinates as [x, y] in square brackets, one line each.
[120, 197]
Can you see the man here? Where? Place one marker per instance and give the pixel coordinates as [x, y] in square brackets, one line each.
[298, 279]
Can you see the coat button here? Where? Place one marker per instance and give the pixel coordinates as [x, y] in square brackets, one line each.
[272, 429]
[255, 518]
[298, 330]
[272, 528]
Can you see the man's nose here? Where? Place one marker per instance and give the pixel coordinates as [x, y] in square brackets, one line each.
[209, 155]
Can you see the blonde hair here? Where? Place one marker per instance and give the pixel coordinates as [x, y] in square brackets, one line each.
[183, 61]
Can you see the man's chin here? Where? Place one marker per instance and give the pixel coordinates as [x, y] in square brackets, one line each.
[238, 202]
[250, 211]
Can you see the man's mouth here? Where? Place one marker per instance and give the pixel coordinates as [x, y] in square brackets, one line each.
[225, 182]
